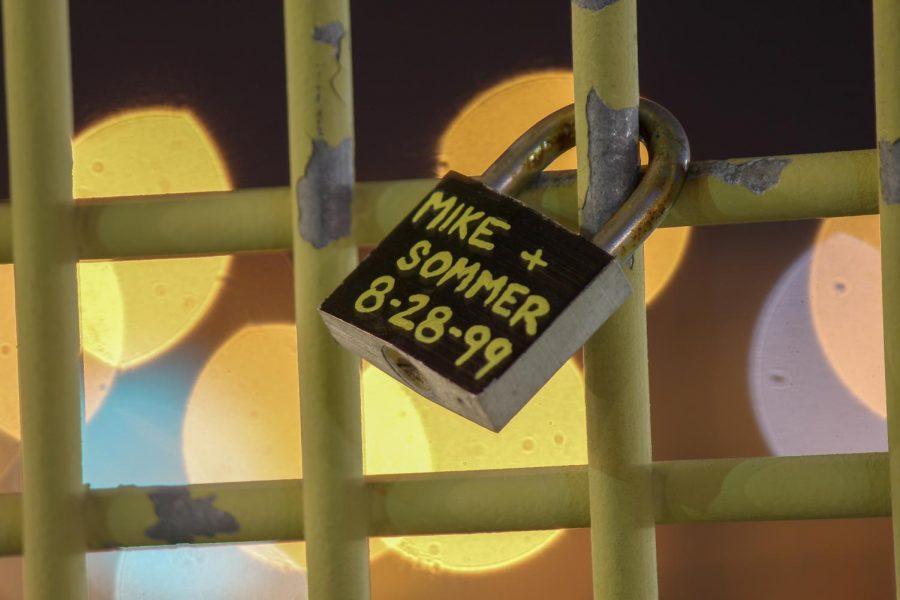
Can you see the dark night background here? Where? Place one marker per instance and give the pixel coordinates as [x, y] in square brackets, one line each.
[745, 79]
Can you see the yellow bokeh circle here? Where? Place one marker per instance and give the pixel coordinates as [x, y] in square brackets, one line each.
[130, 311]
[156, 302]
[98, 376]
[242, 423]
[493, 119]
[845, 302]
[549, 431]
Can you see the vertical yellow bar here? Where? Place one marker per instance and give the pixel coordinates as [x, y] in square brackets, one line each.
[886, 20]
[623, 540]
[39, 105]
[320, 111]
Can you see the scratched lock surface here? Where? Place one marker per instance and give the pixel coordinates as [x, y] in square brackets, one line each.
[474, 300]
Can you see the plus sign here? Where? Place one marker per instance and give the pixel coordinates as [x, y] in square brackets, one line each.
[533, 259]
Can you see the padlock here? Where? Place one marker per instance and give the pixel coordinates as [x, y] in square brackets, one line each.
[475, 300]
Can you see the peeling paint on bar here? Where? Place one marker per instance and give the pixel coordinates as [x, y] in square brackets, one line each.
[331, 34]
[320, 136]
[757, 175]
[820, 185]
[889, 158]
[593, 5]
[835, 486]
[182, 518]
[324, 193]
[613, 157]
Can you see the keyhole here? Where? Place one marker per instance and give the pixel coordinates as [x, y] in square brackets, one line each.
[405, 370]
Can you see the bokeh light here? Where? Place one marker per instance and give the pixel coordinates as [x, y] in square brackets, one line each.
[129, 311]
[220, 572]
[549, 431]
[242, 423]
[139, 152]
[802, 405]
[98, 376]
[845, 299]
[493, 119]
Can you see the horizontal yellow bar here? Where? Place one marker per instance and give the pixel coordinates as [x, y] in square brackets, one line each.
[186, 224]
[805, 186]
[835, 486]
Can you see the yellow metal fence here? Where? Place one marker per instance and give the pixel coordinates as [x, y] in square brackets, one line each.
[621, 493]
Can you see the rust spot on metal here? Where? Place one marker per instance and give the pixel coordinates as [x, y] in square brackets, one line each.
[325, 191]
[613, 160]
[757, 175]
[889, 160]
[331, 34]
[182, 518]
[593, 5]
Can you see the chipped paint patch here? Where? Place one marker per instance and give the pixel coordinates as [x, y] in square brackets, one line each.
[613, 160]
[757, 175]
[182, 518]
[889, 161]
[331, 34]
[325, 191]
[593, 5]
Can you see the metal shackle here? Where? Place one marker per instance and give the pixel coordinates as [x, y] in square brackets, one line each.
[647, 205]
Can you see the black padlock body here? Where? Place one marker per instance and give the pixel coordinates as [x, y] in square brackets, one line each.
[497, 273]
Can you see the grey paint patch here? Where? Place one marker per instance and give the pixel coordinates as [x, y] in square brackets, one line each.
[757, 175]
[331, 34]
[181, 517]
[325, 191]
[613, 159]
[594, 5]
[889, 159]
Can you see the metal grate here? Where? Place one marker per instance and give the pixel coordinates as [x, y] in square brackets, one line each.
[621, 492]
